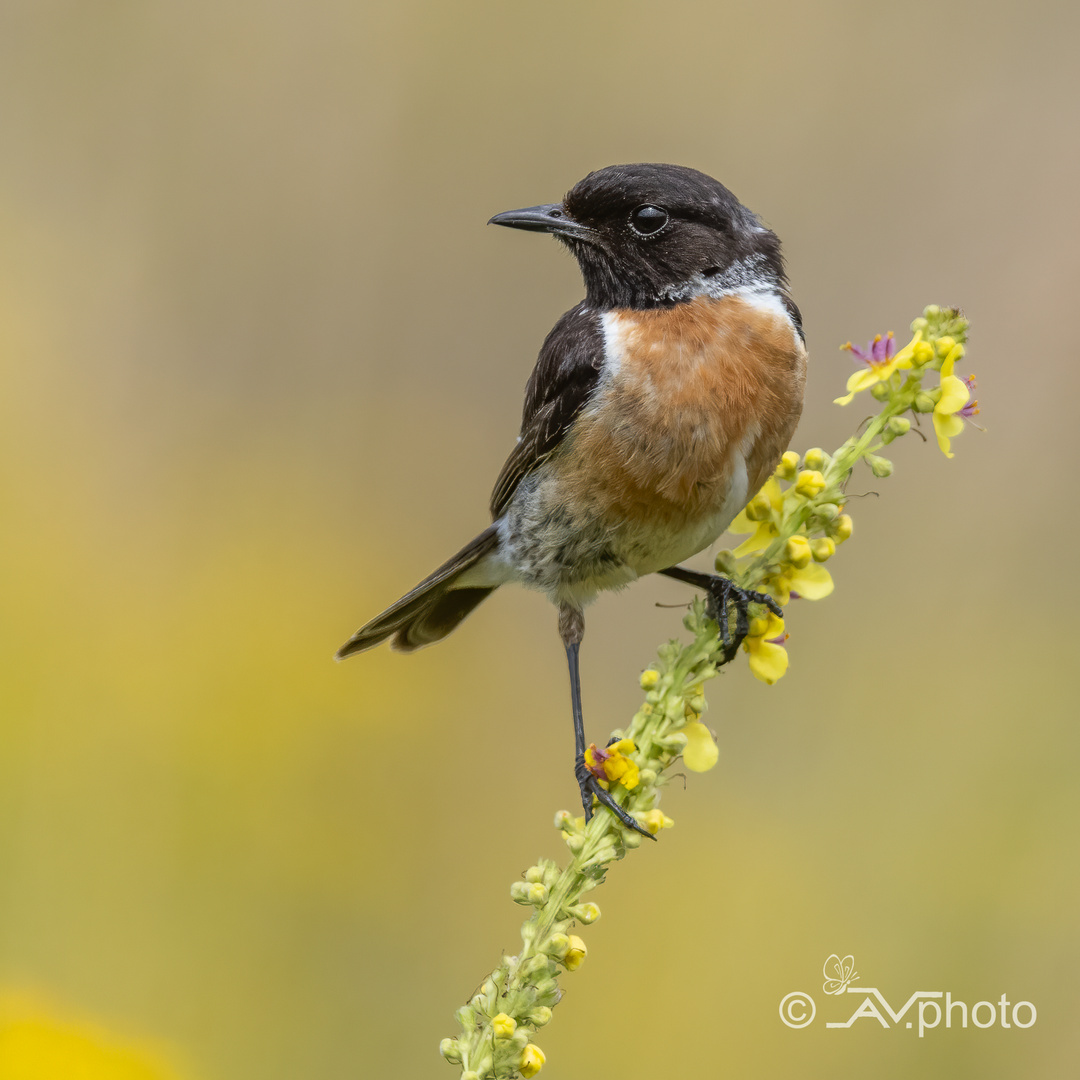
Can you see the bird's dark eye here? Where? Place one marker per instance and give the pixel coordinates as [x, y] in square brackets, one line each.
[646, 220]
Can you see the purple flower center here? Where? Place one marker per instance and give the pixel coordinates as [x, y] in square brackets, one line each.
[877, 352]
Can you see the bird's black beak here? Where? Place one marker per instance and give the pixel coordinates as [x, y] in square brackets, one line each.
[549, 218]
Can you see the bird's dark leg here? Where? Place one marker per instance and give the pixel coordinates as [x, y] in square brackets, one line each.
[722, 593]
[571, 630]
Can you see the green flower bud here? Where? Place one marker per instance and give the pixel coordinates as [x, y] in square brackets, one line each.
[725, 562]
[931, 311]
[827, 511]
[564, 821]
[675, 742]
[924, 402]
[822, 548]
[539, 1016]
[880, 391]
[841, 528]
[879, 466]
[451, 1050]
[519, 892]
[631, 838]
[466, 1017]
[586, 913]
[919, 324]
[576, 843]
[556, 945]
[647, 777]
[471, 1074]
[534, 874]
[899, 425]
[539, 965]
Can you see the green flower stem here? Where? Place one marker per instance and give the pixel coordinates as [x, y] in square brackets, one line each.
[517, 997]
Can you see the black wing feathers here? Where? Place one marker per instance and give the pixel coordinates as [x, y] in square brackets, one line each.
[565, 377]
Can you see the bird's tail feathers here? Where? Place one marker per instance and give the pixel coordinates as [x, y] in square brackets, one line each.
[432, 609]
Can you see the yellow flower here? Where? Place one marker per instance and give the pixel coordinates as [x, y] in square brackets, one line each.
[612, 764]
[701, 752]
[765, 644]
[811, 582]
[880, 363]
[763, 528]
[532, 1060]
[955, 404]
[656, 819]
[35, 1044]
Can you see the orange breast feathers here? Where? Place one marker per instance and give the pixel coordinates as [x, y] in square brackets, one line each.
[697, 400]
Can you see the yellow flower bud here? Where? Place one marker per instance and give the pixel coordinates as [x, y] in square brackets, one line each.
[815, 458]
[536, 894]
[923, 353]
[798, 552]
[575, 954]
[788, 465]
[649, 679]
[810, 483]
[759, 507]
[841, 528]
[944, 344]
[822, 549]
[504, 1026]
[532, 1061]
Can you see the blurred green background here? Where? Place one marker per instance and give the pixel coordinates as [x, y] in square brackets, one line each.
[261, 363]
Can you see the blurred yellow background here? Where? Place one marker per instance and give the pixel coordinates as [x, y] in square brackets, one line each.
[261, 363]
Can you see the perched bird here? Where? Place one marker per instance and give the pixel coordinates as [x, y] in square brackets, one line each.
[658, 407]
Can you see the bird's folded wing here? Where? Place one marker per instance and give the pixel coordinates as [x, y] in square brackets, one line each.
[565, 378]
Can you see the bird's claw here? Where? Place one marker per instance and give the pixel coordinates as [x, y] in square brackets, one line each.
[589, 786]
[723, 592]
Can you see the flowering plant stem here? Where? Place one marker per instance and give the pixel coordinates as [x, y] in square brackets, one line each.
[795, 529]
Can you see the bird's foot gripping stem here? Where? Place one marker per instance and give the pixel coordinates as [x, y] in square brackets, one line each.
[590, 786]
[724, 594]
